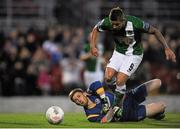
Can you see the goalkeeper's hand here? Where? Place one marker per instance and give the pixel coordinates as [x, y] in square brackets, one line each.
[117, 112]
[106, 104]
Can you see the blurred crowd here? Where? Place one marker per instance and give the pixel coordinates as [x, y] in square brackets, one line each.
[46, 62]
[35, 62]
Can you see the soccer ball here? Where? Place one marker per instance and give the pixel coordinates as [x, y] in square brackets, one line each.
[54, 115]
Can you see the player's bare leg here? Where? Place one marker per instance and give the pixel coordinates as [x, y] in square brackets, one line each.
[121, 80]
[152, 85]
[120, 87]
[109, 75]
[155, 110]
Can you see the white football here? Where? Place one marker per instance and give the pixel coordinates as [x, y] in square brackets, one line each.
[54, 115]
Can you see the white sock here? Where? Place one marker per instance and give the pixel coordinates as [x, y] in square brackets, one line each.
[121, 89]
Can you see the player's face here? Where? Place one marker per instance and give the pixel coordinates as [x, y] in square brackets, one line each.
[80, 99]
[117, 24]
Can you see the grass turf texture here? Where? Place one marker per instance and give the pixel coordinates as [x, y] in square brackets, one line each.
[78, 120]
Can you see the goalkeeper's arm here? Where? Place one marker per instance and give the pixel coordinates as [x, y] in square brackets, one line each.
[97, 88]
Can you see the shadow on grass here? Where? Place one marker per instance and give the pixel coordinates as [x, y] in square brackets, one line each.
[166, 124]
[23, 124]
[18, 123]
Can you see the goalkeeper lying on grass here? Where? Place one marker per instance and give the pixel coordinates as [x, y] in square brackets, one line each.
[98, 104]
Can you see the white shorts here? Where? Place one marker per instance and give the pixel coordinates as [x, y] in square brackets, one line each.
[90, 77]
[126, 64]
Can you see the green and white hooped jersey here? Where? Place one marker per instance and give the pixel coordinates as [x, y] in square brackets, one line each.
[127, 39]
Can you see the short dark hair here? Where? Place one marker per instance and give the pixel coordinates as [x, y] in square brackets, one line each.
[116, 14]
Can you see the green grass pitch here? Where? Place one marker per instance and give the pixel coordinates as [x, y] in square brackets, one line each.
[78, 120]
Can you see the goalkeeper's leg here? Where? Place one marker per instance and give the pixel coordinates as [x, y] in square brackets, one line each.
[152, 85]
[155, 110]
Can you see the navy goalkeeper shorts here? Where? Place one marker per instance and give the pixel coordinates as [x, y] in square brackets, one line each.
[132, 108]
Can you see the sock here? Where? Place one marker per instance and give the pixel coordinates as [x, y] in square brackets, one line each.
[121, 89]
[119, 93]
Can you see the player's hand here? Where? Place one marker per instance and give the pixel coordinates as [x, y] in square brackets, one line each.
[106, 104]
[170, 55]
[94, 51]
[117, 112]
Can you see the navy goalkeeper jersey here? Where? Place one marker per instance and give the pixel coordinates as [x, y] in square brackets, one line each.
[133, 110]
[95, 113]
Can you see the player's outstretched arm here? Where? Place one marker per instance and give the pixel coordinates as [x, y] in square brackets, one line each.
[94, 36]
[168, 52]
[97, 88]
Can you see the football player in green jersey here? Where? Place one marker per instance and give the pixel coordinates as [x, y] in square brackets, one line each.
[128, 52]
[93, 70]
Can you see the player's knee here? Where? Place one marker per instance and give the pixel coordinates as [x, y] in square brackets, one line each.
[162, 105]
[158, 82]
[107, 78]
[120, 82]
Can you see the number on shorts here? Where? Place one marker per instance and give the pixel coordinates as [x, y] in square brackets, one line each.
[131, 67]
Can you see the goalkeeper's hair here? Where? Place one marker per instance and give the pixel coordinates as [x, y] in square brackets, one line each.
[116, 14]
[71, 94]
